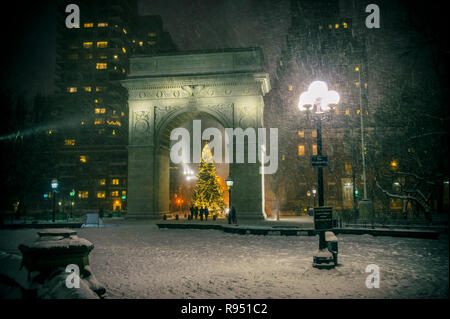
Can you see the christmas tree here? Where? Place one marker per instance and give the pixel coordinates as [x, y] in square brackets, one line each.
[208, 191]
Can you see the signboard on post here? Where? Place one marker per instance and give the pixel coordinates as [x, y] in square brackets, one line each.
[323, 218]
[319, 161]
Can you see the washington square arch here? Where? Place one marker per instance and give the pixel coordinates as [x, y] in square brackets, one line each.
[167, 90]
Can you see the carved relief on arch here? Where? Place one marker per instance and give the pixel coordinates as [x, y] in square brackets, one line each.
[142, 122]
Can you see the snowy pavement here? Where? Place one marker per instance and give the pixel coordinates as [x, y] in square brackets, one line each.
[142, 261]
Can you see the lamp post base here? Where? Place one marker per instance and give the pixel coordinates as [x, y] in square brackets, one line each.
[323, 259]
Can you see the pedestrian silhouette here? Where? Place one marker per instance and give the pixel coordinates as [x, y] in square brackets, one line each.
[206, 211]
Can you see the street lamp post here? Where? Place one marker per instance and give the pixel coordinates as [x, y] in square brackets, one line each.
[54, 185]
[314, 190]
[229, 183]
[318, 100]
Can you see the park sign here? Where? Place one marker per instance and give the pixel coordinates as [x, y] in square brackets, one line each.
[323, 218]
[319, 161]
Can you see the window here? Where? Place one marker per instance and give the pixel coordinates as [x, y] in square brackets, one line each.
[115, 181]
[358, 111]
[102, 44]
[113, 132]
[124, 31]
[314, 149]
[345, 25]
[89, 56]
[87, 88]
[141, 43]
[283, 157]
[348, 168]
[101, 66]
[87, 45]
[281, 63]
[116, 56]
[336, 26]
[72, 89]
[102, 24]
[152, 34]
[301, 150]
[151, 42]
[88, 25]
[83, 159]
[314, 133]
[103, 57]
[100, 89]
[124, 193]
[114, 123]
[99, 122]
[394, 164]
[83, 194]
[98, 100]
[124, 50]
[301, 134]
[69, 142]
[356, 68]
[100, 110]
[347, 112]
[115, 193]
[290, 88]
[357, 84]
[330, 26]
[102, 182]
[101, 194]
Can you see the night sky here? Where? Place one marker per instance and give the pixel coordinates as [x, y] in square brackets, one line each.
[28, 50]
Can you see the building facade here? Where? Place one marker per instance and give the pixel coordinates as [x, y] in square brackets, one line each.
[90, 112]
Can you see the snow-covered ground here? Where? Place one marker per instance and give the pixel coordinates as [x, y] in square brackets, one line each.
[142, 261]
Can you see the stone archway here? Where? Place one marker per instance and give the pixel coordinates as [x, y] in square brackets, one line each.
[164, 91]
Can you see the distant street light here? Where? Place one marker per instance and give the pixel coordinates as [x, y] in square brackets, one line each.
[54, 185]
[314, 190]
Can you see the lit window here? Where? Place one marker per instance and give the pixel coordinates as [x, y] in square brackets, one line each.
[347, 112]
[102, 44]
[102, 24]
[50, 132]
[114, 123]
[336, 26]
[123, 113]
[87, 88]
[124, 30]
[365, 85]
[281, 63]
[345, 25]
[87, 45]
[72, 89]
[152, 34]
[290, 88]
[102, 182]
[301, 133]
[115, 181]
[101, 194]
[124, 50]
[357, 84]
[69, 142]
[314, 133]
[348, 168]
[83, 159]
[103, 57]
[124, 193]
[330, 26]
[89, 56]
[89, 25]
[99, 100]
[99, 121]
[115, 193]
[314, 149]
[336, 111]
[283, 157]
[101, 66]
[356, 68]
[301, 150]
[141, 43]
[83, 194]
[113, 132]
[116, 56]
[151, 42]
[358, 111]
[100, 111]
